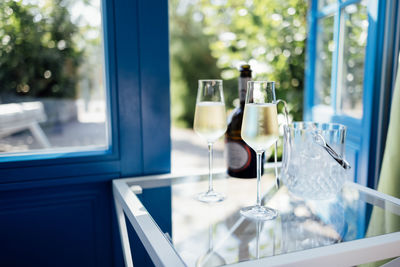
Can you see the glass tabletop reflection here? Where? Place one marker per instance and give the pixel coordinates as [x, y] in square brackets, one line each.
[216, 234]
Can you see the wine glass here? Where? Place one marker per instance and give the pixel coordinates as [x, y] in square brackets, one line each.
[260, 131]
[210, 124]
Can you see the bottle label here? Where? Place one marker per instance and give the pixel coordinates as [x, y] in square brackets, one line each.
[238, 156]
[243, 88]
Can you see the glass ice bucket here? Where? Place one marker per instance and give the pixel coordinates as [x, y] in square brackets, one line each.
[309, 170]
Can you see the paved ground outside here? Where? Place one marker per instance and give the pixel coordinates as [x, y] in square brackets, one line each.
[190, 153]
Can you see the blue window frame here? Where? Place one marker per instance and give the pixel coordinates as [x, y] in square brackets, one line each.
[336, 13]
[137, 78]
[364, 135]
[68, 197]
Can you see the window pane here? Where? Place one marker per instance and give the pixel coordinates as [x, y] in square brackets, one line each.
[354, 31]
[323, 61]
[323, 3]
[52, 92]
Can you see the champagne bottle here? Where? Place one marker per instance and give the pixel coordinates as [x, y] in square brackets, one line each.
[241, 159]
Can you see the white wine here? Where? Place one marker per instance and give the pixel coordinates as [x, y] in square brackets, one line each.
[260, 125]
[210, 120]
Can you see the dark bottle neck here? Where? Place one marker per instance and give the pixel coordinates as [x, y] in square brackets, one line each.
[242, 86]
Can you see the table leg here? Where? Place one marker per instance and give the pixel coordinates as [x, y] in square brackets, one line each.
[123, 234]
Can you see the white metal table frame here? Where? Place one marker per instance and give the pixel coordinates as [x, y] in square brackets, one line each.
[162, 252]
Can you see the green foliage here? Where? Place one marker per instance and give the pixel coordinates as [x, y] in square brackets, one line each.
[270, 35]
[38, 56]
[191, 60]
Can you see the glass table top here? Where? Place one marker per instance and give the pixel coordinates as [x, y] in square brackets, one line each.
[216, 234]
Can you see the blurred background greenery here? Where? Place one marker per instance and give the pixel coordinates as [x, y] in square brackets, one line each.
[211, 39]
[49, 52]
[46, 51]
[208, 39]
[38, 41]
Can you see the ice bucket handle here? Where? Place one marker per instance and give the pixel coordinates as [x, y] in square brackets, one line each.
[319, 139]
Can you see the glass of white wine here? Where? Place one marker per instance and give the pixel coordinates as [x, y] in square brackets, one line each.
[260, 131]
[210, 124]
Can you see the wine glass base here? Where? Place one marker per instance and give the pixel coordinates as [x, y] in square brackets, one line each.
[260, 213]
[210, 197]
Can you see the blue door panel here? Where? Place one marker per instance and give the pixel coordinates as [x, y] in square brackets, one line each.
[352, 152]
[57, 209]
[58, 226]
[161, 213]
[154, 73]
[158, 203]
[50, 172]
[354, 138]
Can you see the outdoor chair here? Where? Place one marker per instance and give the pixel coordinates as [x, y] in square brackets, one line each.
[18, 117]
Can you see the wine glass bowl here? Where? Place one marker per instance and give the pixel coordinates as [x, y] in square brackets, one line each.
[210, 124]
[260, 131]
[210, 120]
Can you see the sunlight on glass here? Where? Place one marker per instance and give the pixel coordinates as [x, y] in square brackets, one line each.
[324, 3]
[323, 64]
[352, 59]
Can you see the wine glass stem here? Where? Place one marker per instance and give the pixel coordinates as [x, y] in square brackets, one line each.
[210, 155]
[259, 159]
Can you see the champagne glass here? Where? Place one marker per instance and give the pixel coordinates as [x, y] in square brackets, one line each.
[260, 131]
[210, 124]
